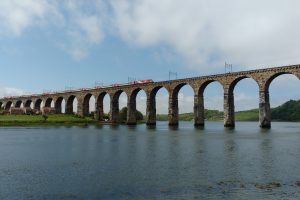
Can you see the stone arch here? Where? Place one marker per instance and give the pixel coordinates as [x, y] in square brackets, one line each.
[99, 110]
[271, 78]
[86, 104]
[204, 85]
[131, 105]
[38, 104]
[177, 88]
[237, 80]
[229, 98]
[18, 104]
[264, 99]
[114, 106]
[69, 104]
[199, 108]
[48, 102]
[58, 105]
[154, 91]
[151, 104]
[173, 103]
[28, 103]
[8, 105]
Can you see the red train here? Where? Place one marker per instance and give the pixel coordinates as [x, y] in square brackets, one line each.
[141, 82]
[115, 85]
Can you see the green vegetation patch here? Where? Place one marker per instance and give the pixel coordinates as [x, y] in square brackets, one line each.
[289, 111]
[19, 120]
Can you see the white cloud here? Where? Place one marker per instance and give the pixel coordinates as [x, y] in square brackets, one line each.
[207, 33]
[80, 21]
[16, 16]
[84, 27]
[202, 33]
[9, 91]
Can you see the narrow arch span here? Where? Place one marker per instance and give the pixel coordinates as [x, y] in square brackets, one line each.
[58, 105]
[114, 111]
[199, 102]
[8, 105]
[99, 110]
[18, 104]
[86, 104]
[28, 103]
[70, 104]
[151, 105]
[269, 81]
[131, 105]
[173, 114]
[38, 104]
[48, 102]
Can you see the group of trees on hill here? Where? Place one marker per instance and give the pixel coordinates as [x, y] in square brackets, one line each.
[289, 111]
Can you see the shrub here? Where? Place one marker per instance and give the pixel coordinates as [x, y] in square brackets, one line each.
[45, 117]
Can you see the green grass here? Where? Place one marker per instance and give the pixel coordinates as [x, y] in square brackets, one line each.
[249, 115]
[20, 120]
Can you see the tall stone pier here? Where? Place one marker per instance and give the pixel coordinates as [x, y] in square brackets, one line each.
[264, 109]
[229, 110]
[198, 110]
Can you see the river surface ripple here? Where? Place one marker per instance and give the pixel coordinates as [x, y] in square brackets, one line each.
[140, 162]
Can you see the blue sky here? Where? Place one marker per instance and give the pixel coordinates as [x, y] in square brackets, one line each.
[47, 45]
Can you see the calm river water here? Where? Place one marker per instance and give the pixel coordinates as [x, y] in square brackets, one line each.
[138, 162]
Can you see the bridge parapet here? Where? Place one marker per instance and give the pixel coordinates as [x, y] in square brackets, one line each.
[263, 77]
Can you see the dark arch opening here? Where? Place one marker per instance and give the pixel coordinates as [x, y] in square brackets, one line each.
[102, 107]
[1, 104]
[134, 114]
[8, 105]
[88, 108]
[38, 104]
[115, 106]
[48, 103]
[71, 105]
[59, 107]
[18, 104]
[28, 103]
[28, 107]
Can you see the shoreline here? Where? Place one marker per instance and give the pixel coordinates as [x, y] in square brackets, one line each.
[86, 123]
[75, 120]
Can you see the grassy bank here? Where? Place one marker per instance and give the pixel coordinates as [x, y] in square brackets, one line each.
[38, 120]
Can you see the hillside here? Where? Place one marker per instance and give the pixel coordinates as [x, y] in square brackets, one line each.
[289, 111]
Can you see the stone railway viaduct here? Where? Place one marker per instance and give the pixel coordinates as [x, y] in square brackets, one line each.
[263, 78]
